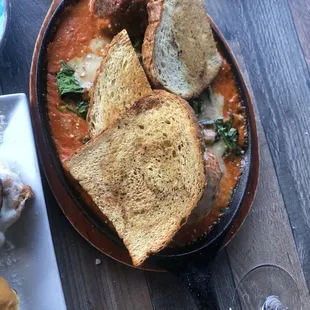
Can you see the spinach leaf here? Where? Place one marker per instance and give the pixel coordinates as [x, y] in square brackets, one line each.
[66, 81]
[85, 140]
[229, 135]
[229, 124]
[71, 91]
[82, 108]
[196, 104]
[70, 108]
[137, 45]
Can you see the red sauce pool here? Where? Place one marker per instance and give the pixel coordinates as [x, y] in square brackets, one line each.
[225, 85]
[76, 29]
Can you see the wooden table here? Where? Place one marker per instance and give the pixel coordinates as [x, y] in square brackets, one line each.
[270, 39]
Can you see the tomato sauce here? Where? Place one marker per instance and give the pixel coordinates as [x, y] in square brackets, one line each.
[225, 85]
[77, 28]
[75, 31]
[68, 129]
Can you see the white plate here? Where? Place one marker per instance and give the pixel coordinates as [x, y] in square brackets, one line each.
[28, 259]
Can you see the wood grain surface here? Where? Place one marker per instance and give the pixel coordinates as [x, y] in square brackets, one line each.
[270, 40]
[267, 211]
[300, 10]
[280, 79]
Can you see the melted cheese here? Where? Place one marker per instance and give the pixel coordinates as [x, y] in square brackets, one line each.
[218, 149]
[212, 106]
[212, 109]
[86, 67]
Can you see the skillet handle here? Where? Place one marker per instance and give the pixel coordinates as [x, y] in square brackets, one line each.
[198, 278]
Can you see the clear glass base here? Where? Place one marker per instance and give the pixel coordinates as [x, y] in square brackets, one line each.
[267, 287]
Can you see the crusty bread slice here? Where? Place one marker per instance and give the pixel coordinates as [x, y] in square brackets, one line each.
[146, 172]
[179, 51]
[119, 83]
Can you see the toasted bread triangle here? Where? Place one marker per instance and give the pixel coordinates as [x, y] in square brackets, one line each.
[145, 172]
[119, 83]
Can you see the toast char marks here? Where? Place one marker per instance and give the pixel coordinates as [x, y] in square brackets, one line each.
[145, 172]
[179, 51]
[120, 81]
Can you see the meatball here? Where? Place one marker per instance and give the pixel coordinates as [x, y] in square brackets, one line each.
[120, 15]
[110, 8]
[209, 136]
[213, 178]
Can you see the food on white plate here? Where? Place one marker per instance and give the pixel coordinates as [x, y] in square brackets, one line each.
[13, 196]
[113, 92]
[146, 172]
[9, 300]
[119, 83]
[179, 51]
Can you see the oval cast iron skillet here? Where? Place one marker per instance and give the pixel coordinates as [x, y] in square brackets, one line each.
[190, 263]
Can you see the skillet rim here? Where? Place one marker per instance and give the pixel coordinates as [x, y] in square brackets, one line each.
[44, 124]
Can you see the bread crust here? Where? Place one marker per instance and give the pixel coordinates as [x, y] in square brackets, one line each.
[121, 39]
[155, 11]
[147, 103]
[154, 101]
